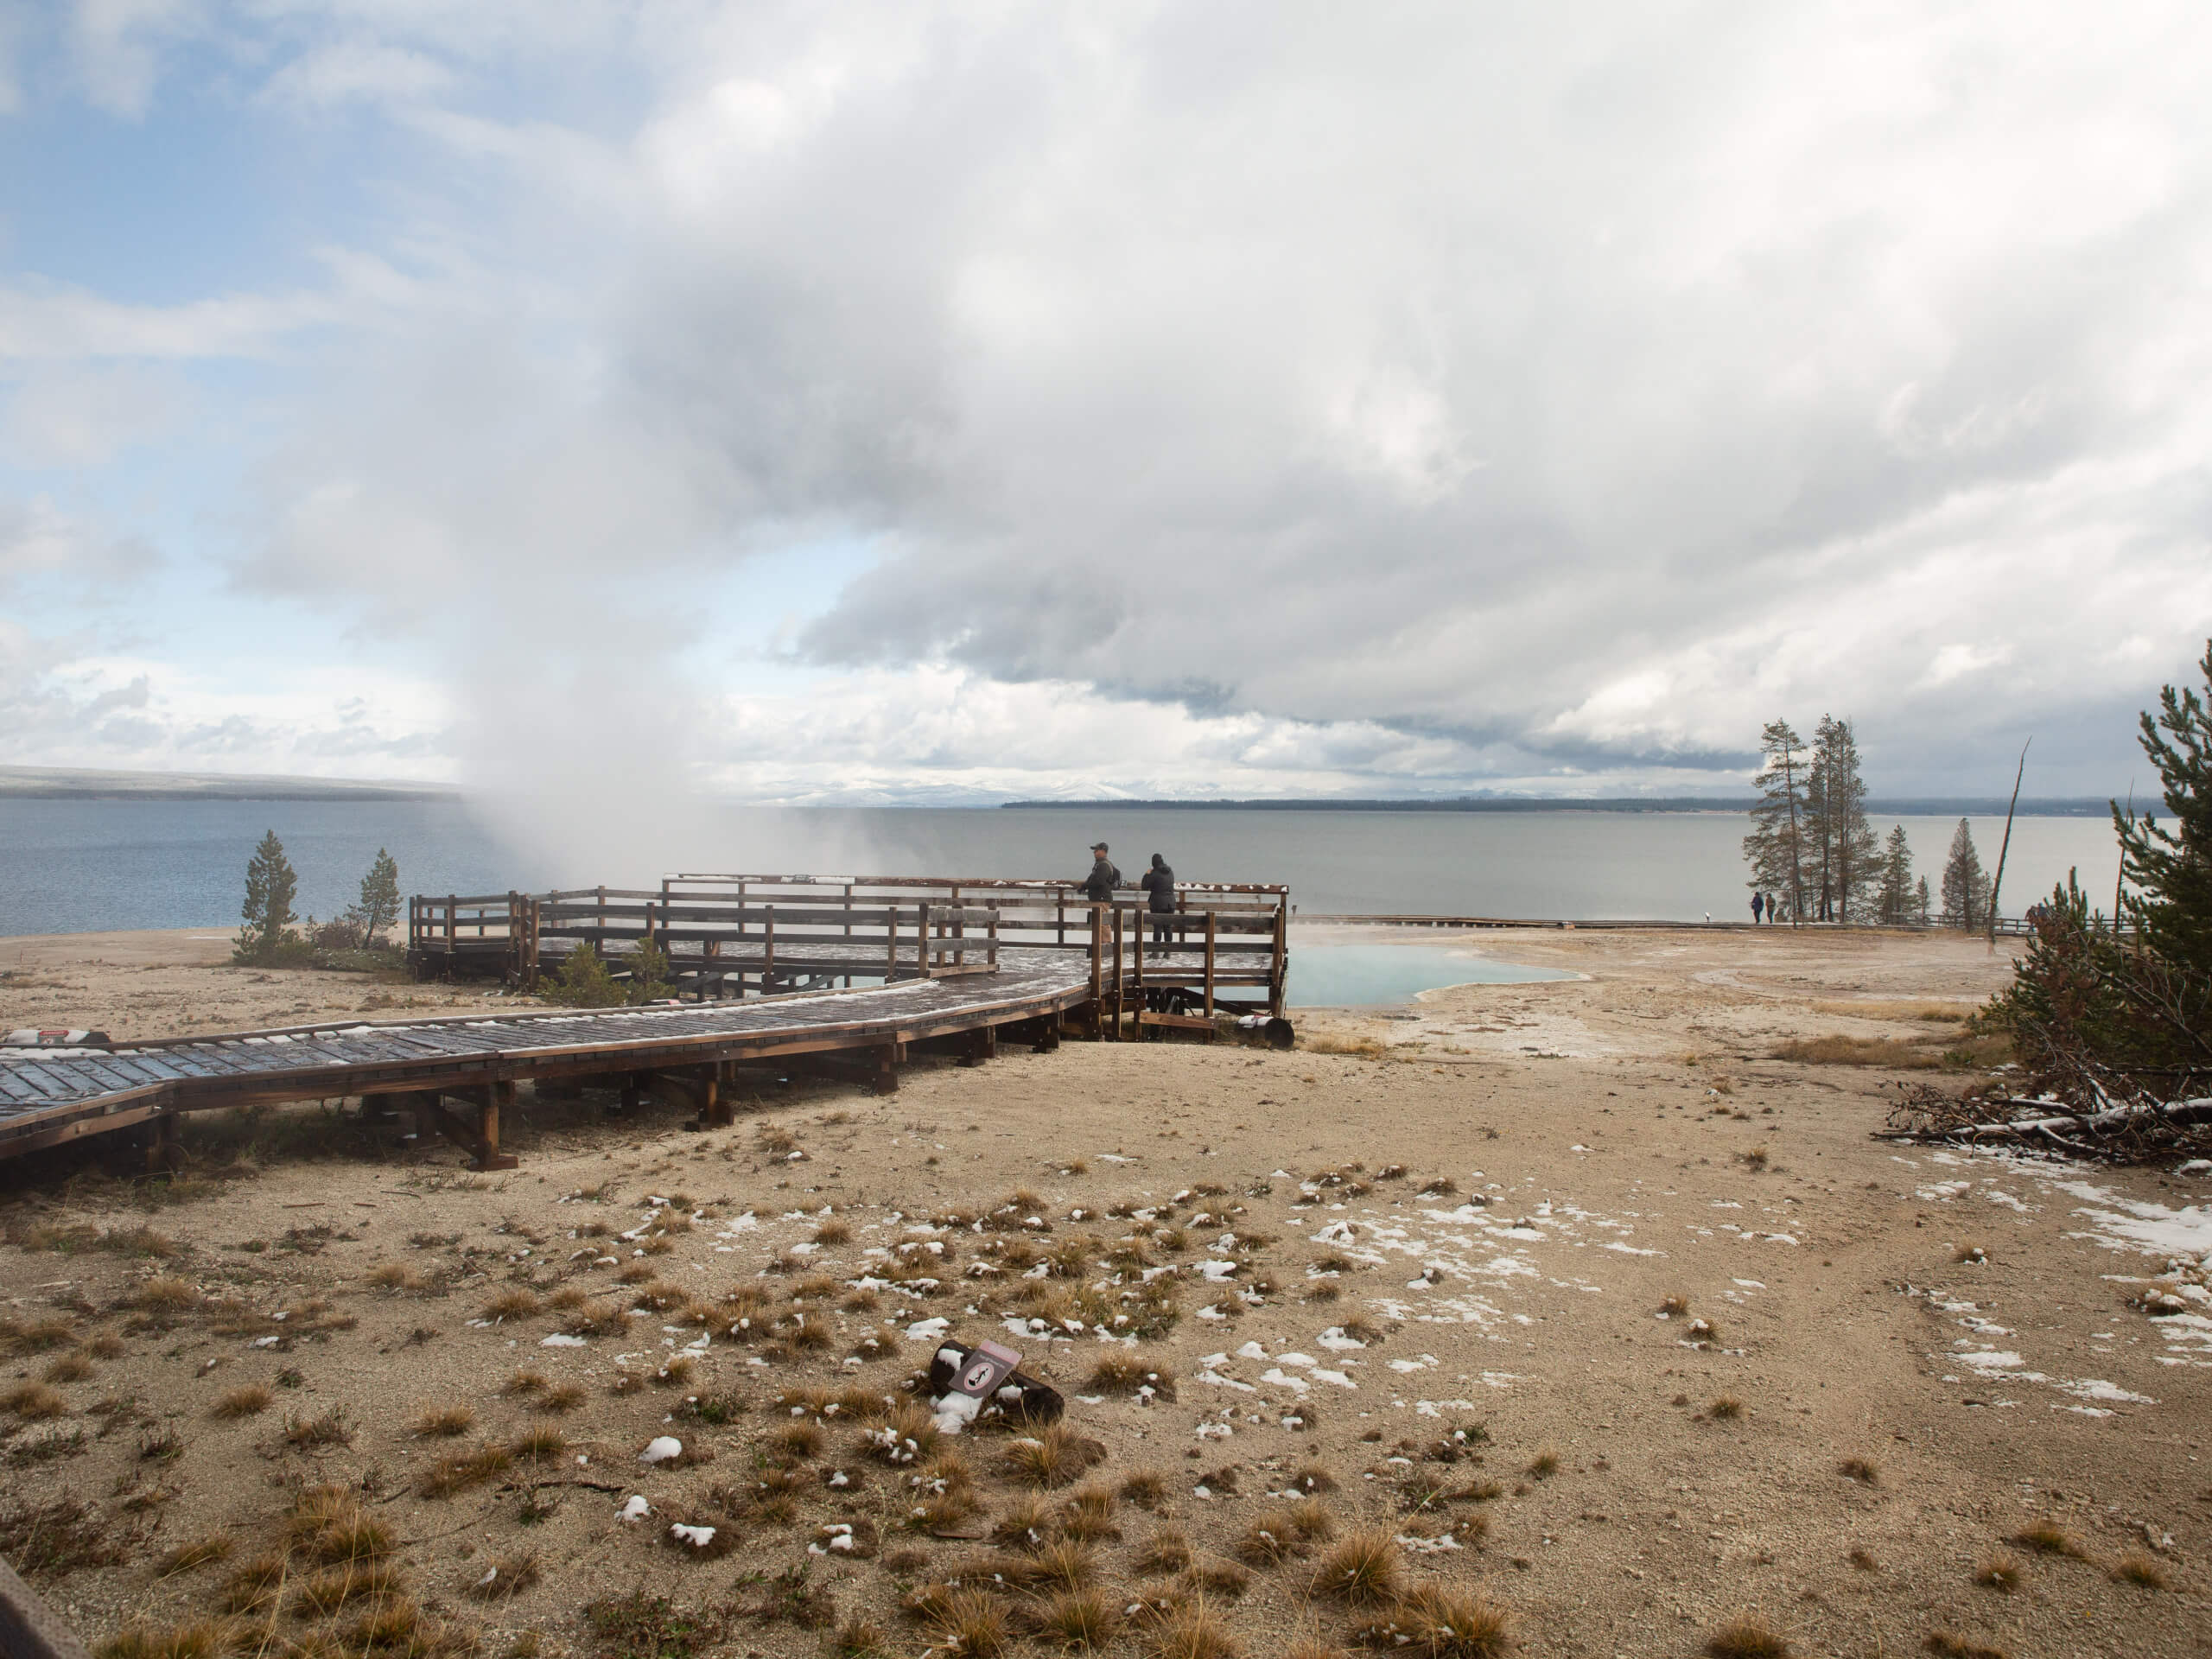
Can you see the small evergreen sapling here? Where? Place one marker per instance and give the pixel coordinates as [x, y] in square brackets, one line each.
[379, 903]
[266, 933]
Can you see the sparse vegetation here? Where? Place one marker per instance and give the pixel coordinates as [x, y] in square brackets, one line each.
[1999, 1572]
[248, 1400]
[1744, 1637]
[1363, 1570]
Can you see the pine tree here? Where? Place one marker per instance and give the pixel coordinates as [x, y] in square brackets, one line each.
[1894, 903]
[1920, 899]
[1966, 887]
[2171, 869]
[1848, 854]
[1774, 847]
[270, 885]
[379, 905]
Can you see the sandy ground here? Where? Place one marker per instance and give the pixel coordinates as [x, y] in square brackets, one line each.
[1479, 1371]
[173, 982]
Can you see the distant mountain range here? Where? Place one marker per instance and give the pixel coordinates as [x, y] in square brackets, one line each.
[72, 784]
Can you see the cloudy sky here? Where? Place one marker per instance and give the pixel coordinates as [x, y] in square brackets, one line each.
[951, 403]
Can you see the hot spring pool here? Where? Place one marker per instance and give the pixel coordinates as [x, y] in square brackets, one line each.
[1381, 976]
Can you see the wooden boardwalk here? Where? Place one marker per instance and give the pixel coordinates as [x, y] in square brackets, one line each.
[950, 973]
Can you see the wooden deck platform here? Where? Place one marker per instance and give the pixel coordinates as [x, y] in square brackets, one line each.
[877, 977]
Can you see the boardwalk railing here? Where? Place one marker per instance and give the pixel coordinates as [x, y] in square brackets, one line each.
[737, 935]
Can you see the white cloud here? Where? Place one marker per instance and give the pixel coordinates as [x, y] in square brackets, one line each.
[357, 71]
[1338, 397]
[119, 46]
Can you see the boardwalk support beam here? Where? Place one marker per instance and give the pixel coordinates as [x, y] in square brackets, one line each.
[480, 1140]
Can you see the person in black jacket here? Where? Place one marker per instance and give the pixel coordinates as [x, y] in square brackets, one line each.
[1098, 886]
[1160, 882]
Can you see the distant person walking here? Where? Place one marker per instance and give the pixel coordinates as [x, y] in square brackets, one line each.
[1758, 906]
[1098, 886]
[1159, 882]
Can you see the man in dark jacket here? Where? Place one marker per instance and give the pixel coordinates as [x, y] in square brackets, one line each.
[1160, 882]
[1098, 886]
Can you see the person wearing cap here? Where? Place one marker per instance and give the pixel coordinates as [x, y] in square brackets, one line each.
[1098, 886]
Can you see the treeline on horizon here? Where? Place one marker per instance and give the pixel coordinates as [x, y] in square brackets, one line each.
[2060, 806]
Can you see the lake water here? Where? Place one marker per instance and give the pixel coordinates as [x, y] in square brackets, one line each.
[68, 867]
[1383, 976]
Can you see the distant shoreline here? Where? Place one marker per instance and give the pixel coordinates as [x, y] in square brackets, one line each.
[1958, 806]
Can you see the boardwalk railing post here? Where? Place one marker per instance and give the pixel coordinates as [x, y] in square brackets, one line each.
[1279, 971]
[1098, 971]
[924, 955]
[1212, 917]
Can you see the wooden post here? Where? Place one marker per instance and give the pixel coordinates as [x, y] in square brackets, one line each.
[1097, 967]
[1136, 956]
[453, 909]
[891, 944]
[1117, 973]
[1212, 917]
[768, 953]
[163, 1152]
[886, 1069]
[922, 953]
[1276, 973]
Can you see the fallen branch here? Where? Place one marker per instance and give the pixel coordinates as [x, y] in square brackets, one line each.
[2139, 1128]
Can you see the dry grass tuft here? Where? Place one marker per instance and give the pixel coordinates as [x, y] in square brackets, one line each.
[198, 1551]
[515, 1303]
[396, 1275]
[830, 1234]
[1028, 1523]
[33, 1402]
[2140, 1569]
[1944, 1645]
[2047, 1538]
[1744, 1637]
[1192, 1630]
[1859, 1469]
[334, 1587]
[249, 1400]
[798, 1442]
[524, 1382]
[330, 1429]
[1078, 1619]
[1838, 1050]
[457, 1472]
[1999, 1572]
[540, 1444]
[253, 1586]
[1676, 1306]
[1725, 1408]
[1052, 1456]
[1364, 1570]
[970, 1624]
[1089, 1515]
[202, 1639]
[1439, 1623]
[1544, 1464]
[1167, 1551]
[73, 1367]
[1146, 1487]
[165, 1293]
[562, 1396]
[443, 1421]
